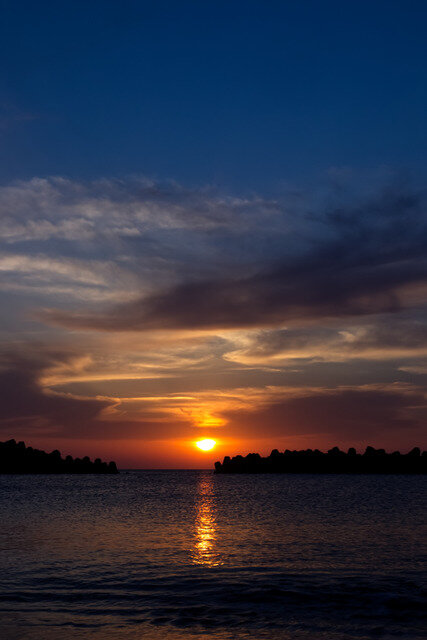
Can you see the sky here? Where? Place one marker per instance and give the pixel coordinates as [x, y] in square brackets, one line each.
[212, 225]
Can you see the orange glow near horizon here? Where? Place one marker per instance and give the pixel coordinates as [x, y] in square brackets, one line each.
[206, 445]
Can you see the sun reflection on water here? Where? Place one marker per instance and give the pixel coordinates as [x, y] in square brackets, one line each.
[205, 532]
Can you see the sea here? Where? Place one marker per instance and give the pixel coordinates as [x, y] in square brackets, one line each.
[190, 554]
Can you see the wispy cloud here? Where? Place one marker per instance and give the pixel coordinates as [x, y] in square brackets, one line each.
[56, 207]
[368, 260]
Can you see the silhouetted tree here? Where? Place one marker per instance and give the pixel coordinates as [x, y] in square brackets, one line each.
[335, 461]
[17, 458]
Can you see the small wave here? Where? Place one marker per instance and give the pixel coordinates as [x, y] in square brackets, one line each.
[253, 600]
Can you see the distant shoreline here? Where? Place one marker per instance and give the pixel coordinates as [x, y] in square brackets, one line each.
[16, 458]
[372, 461]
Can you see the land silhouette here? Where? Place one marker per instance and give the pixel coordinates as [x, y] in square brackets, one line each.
[334, 461]
[16, 457]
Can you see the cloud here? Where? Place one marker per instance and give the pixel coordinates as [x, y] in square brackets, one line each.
[55, 207]
[367, 260]
[28, 407]
[36, 404]
[32, 406]
[135, 235]
[380, 338]
[372, 413]
[185, 307]
[194, 258]
[89, 280]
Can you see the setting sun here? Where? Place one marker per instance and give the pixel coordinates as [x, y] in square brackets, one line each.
[206, 445]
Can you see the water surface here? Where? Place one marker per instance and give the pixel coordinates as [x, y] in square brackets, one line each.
[187, 554]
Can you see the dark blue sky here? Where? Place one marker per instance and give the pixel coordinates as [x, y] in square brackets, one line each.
[244, 95]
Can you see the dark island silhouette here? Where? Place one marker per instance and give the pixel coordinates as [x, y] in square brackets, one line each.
[334, 461]
[15, 457]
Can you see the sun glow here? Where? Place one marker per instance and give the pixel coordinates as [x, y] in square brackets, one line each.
[206, 445]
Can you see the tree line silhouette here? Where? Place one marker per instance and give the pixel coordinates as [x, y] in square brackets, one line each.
[334, 461]
[15, 457]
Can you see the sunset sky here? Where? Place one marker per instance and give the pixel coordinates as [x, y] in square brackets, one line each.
[213, 224]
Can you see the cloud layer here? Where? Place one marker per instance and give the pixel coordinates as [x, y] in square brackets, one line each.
[364, 261]
[135, 309]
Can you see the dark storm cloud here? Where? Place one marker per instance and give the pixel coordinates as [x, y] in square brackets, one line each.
[362, 261]
[341, 414]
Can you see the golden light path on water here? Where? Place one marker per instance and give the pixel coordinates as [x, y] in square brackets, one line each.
[205, 533]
